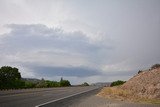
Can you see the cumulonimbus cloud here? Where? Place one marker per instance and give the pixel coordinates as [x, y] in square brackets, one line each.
[74, 52]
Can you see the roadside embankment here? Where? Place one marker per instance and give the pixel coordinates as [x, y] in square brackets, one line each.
[143, 87]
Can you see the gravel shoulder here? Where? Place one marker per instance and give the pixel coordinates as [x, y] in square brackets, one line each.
[96, 101]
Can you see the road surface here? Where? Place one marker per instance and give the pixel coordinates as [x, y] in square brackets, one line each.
[35, 97]
[61, 97]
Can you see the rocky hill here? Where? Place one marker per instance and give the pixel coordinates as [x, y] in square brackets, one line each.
[146, 84]
[143, 87]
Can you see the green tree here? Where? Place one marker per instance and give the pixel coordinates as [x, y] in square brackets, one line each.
[64, 83]
[10, 78]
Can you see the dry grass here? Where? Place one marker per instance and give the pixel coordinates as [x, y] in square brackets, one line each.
[150, 101]
[124, 95]
[115, 93]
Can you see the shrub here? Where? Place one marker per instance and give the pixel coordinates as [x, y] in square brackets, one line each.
[155, 66]
[29, 84]
[116, 83]
[85, 84]
[140, 71]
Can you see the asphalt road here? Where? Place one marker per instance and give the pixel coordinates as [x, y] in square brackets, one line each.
[34, 97]
[90, 99]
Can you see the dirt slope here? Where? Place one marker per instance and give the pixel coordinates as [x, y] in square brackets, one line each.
[145, 84]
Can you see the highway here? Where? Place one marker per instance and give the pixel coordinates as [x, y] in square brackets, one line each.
[38, 97]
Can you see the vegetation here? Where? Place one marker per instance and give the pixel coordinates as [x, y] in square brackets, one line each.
[64, 83]
[116, 83]
[46, 84]
[10, 78]
[85, 84]
[120, 94]
[133, 91]
[29, 84]
[114, 92]
[140, 71]
[155, 66]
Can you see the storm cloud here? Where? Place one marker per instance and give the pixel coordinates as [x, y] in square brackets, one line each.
[65, 71]
[80, 40]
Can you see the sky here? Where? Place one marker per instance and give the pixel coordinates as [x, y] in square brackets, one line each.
[80, 40]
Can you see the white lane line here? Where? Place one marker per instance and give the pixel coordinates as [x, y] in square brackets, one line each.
[64, 97]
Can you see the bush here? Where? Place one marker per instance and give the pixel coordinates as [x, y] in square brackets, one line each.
[85, 84]
[140, 71]
[155, 66]
[29, 84]
[41, 84]
[52, 83]
[116, 83]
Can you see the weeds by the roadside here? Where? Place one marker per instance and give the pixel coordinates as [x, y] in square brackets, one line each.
[125, 95]
[114, 92]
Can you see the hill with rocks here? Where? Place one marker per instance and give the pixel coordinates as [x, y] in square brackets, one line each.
[145, 84]
[143, 87]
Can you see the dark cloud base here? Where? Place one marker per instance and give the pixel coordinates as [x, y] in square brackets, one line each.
[65, 71]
